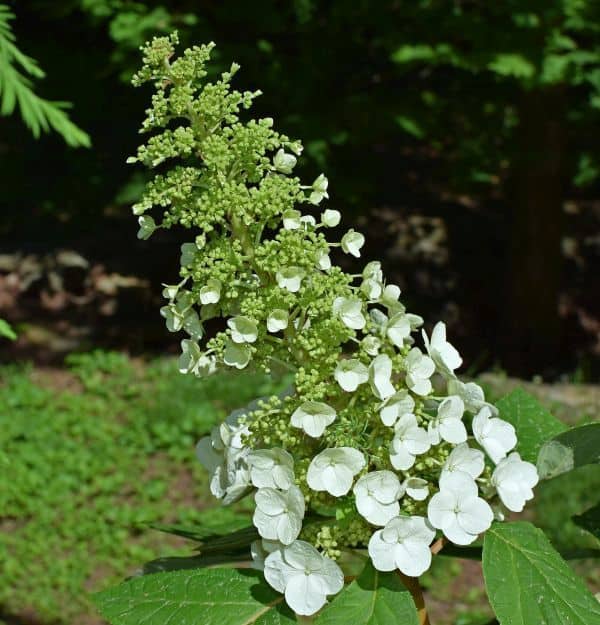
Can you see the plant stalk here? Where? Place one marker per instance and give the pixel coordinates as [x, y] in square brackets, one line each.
[412, 584]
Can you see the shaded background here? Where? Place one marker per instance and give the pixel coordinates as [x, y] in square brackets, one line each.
[461, 137]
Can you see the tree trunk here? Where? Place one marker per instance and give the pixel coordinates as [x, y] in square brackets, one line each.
[531, 308]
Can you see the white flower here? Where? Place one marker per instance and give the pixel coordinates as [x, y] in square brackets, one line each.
[170, 291]
[224, 456]
[514, 479]
[373, 271]
[174, 320]
[389, 298]
[377, 494]
[400, 326]
[304, 575]
[147, 227]
[291, 219]
[278, 514]
[350, 373]
[465, 458]
[319, 190]
[271, 468]
[403, 544]
[409, 441]
[457, 510]
[190, 356]
[193, 360]
[313, 417]
[290, 278]
[371, 288]
[472, 394]
[323, 261]
[378, 318]
[236, 355]
[277, 320]
[448, 425]
[416, 488]
[352, 241]
[399, 404]
[243, 329]
[308, 220]
[444, 355]
[284, 162]
[331, 218]
[260, 549]
[350, 312]
[419, 369]
[496, 436]
[333, 470]
[380, 372]
[210, 293]
[371, 345]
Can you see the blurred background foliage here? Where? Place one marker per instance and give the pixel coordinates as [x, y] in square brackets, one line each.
[460, 135]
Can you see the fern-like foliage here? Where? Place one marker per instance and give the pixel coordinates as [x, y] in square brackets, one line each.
[16, 89]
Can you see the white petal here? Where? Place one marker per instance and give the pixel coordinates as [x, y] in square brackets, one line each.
[331, 576]
[304, 594]
[288, 528]
[440, 510]
[459, 483]
[412, 558]
[381, 553]
[302, 555]
[380, 371]
[276, 571]
[416, 488]
[453, 431]
[401, 458]
[270, 501]
[475, 515]
[456, 534]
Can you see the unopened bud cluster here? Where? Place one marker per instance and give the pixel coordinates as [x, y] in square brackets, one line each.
[362, 451]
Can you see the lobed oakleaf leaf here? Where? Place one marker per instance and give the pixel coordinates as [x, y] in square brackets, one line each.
[533, 423]
[195, 597]
[528, 582]
[569, 450]
[374, 598]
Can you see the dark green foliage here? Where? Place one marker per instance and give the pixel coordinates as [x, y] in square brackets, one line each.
[445, 108]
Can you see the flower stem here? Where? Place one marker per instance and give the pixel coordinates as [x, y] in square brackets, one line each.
[412, 584]
[305, 620]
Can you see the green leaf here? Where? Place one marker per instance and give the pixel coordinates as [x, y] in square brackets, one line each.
[590, 520]
[180, 563]
[209, 541]
[528, 582]
[196, 597]
[374, 598]
[534, 424]
[571, 449]
[6, 330]
[410, 125]
[512, 64]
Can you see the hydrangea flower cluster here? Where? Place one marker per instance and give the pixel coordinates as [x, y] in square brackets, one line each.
[377, 445]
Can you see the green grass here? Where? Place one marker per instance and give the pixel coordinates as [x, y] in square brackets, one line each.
[83, 471]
